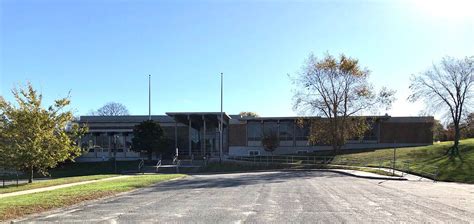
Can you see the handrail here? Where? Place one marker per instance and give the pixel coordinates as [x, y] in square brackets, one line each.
[178, 163]
[158, 164]
[140, 165]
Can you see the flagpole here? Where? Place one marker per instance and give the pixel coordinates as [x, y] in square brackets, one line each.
[149, 97]
[222, 120]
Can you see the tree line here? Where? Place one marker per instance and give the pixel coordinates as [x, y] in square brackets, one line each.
[338, 90]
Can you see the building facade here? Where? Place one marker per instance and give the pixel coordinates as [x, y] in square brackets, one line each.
[198, 134]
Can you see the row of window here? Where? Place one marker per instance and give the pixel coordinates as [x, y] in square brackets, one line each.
[285, 130]
[103, 142]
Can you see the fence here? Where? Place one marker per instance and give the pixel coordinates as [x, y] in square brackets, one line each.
[428, 171]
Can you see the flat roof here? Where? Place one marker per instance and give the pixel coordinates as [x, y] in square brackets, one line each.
[172, 114]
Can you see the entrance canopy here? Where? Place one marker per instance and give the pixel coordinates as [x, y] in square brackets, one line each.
[196, 118]
[203, 137]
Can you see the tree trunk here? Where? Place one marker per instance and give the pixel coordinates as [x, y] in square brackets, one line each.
[30, 178]
[457, 136]
[454, 150]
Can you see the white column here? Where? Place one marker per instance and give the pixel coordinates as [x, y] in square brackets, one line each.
[175, 135]
[203, 151]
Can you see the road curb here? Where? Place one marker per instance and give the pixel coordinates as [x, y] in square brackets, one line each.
[366, 177]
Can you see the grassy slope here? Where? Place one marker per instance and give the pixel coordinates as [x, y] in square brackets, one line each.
[17, 206]
[422, 160]
[53, 182]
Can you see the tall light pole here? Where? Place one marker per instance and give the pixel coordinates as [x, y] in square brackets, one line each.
[222, 120]
[149, 97]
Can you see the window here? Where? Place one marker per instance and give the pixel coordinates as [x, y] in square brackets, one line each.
[270, 127]
[254, 131]
[371, 134]
[302, 133]
[286, 131]
[254, 153]
[128, 141]
[87, 143]
[301, 151]
[101, 142]
[117, 142]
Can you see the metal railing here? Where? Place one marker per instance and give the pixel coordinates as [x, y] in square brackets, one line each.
[427, 171]
[140, 165]
[286, 159]
[158, 164]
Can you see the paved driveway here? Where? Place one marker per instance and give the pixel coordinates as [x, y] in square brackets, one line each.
[281, 197]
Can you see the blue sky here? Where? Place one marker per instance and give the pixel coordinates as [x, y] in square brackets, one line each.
[103, 50]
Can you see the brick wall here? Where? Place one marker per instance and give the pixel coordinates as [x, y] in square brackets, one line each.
[410, 132]
[237, 135]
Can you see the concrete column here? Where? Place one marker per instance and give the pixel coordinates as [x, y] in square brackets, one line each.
[278, 132]
[110, 148]
[294, 133]
[189, 136]
[175, 135]
[204, 136]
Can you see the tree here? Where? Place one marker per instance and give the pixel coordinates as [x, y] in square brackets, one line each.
[111, 109]
[469, 126]
[439, 133]
[270, 141]
[148, 136]
[33, 138]
[248, 114]
[336, 89]
[446, 87]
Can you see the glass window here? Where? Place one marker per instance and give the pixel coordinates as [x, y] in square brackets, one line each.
[117, 142]
[102, 142]
[286, 130]
[254, 153]
[87, 143]
[128, 141]
[270, 127]
[302, 132]
[254, 131]
[371, 134]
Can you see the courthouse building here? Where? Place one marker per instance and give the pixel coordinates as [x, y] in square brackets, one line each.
[197, 134]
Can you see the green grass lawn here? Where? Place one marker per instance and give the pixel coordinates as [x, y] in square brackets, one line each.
[52, 182]
[17, 206]
[92, 168]
[421, 160]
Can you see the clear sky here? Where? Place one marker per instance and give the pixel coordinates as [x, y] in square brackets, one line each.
[103, 50]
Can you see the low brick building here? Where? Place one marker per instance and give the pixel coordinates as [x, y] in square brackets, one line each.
[198, 134]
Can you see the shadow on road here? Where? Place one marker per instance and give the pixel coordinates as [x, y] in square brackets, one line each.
[240, 179]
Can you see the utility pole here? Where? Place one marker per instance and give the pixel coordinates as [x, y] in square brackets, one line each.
[149, 97]
[221, 127]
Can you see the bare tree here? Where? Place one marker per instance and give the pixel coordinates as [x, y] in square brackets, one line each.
[338, 90]
[248, 114]
[111, 109]
[447, 87]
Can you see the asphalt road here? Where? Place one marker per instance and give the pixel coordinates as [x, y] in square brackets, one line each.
[280, 197]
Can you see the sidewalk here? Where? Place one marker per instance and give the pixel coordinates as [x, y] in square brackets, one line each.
[362, 174]
[57, 187]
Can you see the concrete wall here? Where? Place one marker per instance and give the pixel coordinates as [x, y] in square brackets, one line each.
[244, 150]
